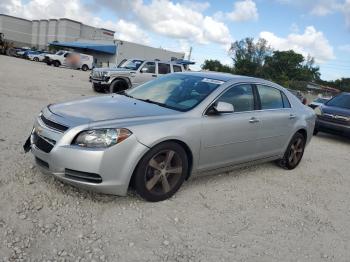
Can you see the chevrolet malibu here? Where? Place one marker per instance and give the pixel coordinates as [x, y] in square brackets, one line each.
[156, 136]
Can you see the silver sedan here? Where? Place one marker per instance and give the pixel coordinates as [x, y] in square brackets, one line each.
[156, 136]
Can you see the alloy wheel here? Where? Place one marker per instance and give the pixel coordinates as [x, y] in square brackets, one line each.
[163, 172]
[296, 151]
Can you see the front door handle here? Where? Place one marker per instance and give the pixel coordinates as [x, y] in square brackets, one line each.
[292, 116]
[254, 120]
[154, 75]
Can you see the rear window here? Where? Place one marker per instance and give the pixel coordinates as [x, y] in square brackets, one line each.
[342, 100]
[270, 98]
[163, 68]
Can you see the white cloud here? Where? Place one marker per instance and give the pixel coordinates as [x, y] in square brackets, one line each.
[131, 32]
[178, 21]
[245, 10]
[311, 42]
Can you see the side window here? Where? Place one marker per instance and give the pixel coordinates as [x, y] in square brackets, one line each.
[150, 68]
[163, 68]
[241, 97]
[286, 103]
[270, 97]
[177, 68]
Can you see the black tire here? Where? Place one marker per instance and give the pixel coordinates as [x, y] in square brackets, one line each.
[84, 67]
[118, 85]
[294, 152]
[48, 63]
[315, 132]
[35, 59]
[155, 185]
[98, 88]
[56, 63]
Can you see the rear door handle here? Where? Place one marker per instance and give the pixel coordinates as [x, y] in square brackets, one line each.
[292, 116]
[254, 120]
[154, 75]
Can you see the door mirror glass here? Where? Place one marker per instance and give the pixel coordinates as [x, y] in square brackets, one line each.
[223, 107]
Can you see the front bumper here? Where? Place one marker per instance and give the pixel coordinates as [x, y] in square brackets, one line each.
[104, 170]
[331, 127]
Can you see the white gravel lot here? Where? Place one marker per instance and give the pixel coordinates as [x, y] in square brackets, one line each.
[260, 213]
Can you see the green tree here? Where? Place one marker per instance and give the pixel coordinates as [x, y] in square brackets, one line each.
[215, 65]
[249, 56]
[285, 66]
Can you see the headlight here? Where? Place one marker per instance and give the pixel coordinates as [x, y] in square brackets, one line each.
[101, 138]
[318, 111]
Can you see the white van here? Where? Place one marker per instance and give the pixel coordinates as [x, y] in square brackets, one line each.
[70, 59]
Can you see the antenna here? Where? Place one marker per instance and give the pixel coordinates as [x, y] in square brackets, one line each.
[190, 53]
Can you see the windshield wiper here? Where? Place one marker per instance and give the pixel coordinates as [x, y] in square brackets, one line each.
[153, 102]
[123, 93]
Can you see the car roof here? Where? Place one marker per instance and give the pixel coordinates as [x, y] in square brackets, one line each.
[225, 76]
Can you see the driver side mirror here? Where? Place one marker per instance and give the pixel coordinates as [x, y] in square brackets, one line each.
[221, 108]
[144, 70]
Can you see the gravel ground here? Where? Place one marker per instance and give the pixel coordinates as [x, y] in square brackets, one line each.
[259, 213]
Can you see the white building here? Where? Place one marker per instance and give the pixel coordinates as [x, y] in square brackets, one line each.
[69, 34]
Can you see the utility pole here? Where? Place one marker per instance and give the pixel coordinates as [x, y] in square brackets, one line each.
[189, 54]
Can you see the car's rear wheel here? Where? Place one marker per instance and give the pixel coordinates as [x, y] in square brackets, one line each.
[161, 172]
[118, 85]
[84, 68]
[56, 63]
[294, 152]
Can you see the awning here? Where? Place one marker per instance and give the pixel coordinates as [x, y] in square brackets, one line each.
[108, 49]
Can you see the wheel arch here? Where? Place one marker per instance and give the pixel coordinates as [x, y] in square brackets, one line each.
[177, 141]
[126, 79]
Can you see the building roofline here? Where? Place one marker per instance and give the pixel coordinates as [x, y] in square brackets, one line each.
[16, 17]
[63, 18]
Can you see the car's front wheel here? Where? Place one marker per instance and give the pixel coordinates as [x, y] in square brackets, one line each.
[161, 172]
[294, 152]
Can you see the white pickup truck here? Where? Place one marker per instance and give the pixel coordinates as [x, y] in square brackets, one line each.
[131, 73]
[70, 59]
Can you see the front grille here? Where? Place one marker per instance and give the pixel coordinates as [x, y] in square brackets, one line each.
[42, 144]
[41, 163]
[83, 176]
[335, 119]
[53, 125]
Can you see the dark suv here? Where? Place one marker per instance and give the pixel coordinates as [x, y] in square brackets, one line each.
[334, 115]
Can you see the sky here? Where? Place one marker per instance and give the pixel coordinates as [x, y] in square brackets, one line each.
[319, 28]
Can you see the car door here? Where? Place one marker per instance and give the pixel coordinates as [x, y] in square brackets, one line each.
[230, 138]
[277, 119]
[147, 72]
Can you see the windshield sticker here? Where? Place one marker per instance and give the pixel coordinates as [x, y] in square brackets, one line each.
[212, 81]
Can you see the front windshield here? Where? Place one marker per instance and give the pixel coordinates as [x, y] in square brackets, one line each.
[131, 64]
[59, 53]
[342, 100]
[180, 92]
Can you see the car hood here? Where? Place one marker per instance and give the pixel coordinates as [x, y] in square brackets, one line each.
[102, 108]
[113, 69]
[336, 110]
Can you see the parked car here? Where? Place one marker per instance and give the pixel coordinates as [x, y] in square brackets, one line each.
[130, 73]
[70, 59]
[157, 135]
[318, 102]
[334, 115]
[21, 51]
[37, 56]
